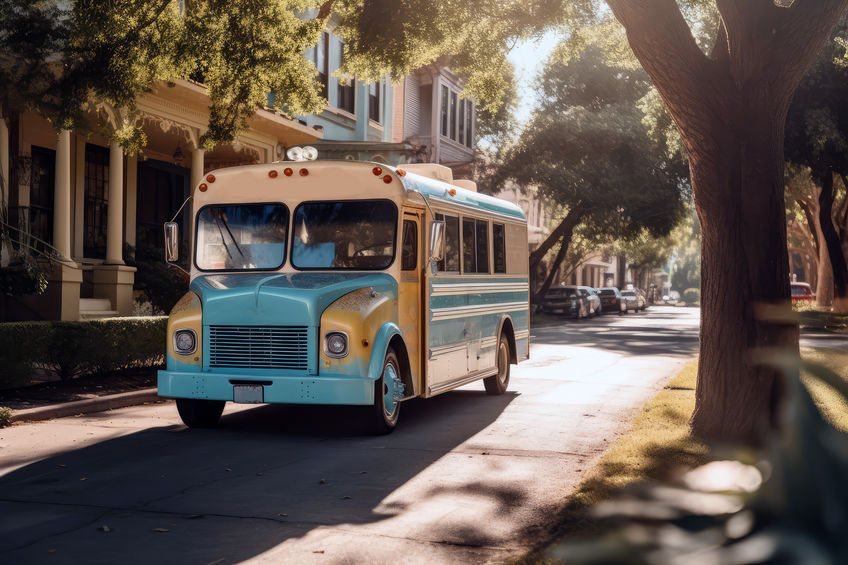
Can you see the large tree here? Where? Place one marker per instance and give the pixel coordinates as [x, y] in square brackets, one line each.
[587, 149]
[730, 108]
[817, 138]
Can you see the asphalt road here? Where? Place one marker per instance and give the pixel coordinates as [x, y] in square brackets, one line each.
[465, 478]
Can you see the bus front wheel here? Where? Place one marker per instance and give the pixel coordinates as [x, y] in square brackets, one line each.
[497, 383]
[387, 393]
[198, 413]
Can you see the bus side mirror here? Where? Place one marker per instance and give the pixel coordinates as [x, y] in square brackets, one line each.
[172, 242]
[437, 240]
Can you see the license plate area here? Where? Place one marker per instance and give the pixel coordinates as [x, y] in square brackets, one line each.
[248, 394]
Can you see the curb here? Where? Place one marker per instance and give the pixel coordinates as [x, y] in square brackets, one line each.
[87, 406]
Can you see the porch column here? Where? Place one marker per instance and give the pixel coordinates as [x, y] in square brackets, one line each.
[62, 195]
[196, 168]
[4, 163]
[115, 210]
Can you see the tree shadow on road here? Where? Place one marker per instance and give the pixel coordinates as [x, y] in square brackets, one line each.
[266, 475]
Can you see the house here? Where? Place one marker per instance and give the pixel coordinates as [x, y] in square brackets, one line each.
[78, 196]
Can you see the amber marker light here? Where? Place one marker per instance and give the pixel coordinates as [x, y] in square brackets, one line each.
[452, 192]
[387, 179]
[272, 173]
[377, 171]
[210, 178]
[288, 172]
[202, 187]
[401, 172]
[303, 172]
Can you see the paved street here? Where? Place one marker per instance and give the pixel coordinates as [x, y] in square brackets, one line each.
[462, 479]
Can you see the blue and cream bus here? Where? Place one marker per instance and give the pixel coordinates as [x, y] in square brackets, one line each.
[342, 282]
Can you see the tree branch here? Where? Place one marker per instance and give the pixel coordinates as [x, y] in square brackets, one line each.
[568, 222]
[325, 10]
[664, 45]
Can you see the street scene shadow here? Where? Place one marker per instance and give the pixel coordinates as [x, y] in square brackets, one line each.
[637, 338]
[264, 476]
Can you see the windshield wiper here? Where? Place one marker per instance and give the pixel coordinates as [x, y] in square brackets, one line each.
[219, 218]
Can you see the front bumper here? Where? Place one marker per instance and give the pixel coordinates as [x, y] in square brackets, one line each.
[277, 390]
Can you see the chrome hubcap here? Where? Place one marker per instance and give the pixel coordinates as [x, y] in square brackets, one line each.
[503, 362]
[391, 389]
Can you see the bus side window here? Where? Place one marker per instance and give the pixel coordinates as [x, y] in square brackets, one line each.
[469, 255]
[409, 248]
[450, 262]
[499, 244]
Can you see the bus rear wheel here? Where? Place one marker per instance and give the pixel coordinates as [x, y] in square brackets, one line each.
[198, 413]
[497, 383]
[388, 391]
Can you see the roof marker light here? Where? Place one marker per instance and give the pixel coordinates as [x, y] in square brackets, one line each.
[304, 172]
[210, 178]
[452, 192]
[202, 187]
[272, 173]
[401, 172]
[377, 171]
[288, 171]
[387, 179]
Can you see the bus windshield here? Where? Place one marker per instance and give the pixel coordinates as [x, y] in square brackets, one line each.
[240, 237]
[352, 234]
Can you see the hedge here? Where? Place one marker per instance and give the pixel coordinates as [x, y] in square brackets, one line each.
[692, 296]
[70, 349]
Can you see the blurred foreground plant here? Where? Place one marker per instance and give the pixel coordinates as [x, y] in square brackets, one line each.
[791, 506]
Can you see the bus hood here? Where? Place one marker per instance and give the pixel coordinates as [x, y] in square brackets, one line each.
[277, 299]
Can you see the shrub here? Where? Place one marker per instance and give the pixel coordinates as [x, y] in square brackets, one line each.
[692, 296]
[69, 349]
[5, 417]
[161, 284]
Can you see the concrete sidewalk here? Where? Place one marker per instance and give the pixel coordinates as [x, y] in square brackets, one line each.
[87, 406]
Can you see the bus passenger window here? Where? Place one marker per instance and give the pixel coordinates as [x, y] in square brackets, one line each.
[499, 243]
[409, 249]
[482, 242]
[450, 262]
[469, 257]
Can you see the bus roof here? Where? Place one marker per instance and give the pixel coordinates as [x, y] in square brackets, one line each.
[436, 191]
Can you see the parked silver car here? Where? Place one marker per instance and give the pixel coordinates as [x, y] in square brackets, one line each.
[635, 299]
[594, 300]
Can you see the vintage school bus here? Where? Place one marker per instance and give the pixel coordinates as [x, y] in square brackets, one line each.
[343, 282]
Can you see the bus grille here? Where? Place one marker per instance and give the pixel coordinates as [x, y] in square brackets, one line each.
[258, 347]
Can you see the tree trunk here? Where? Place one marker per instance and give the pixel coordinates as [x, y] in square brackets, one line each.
[622, 271]
[832, 243]
[730, 109]
[824, 282]
[563, 249]
[568, 223]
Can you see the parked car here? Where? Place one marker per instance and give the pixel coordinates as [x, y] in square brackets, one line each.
[611, 300]
[635, 299]
[801, 292]
[565, 301]
[594, 300]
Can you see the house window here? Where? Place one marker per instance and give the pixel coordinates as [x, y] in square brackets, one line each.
[346, 90]
[453, 101]
[462, 121]
[374, 101]
[450, 262]
[469, 112]
[41, 185]
[444, 111]
[475, 246]
[322, 62]
[96, 200]
[499, 247]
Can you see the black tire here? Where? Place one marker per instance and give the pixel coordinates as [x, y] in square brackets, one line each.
[383, 421]
[498, 383]
[198, 413]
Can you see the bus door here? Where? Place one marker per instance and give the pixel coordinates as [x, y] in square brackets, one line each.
[409, 299]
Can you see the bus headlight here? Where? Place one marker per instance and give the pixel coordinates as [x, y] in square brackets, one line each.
[336, 344]
[185, 342]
